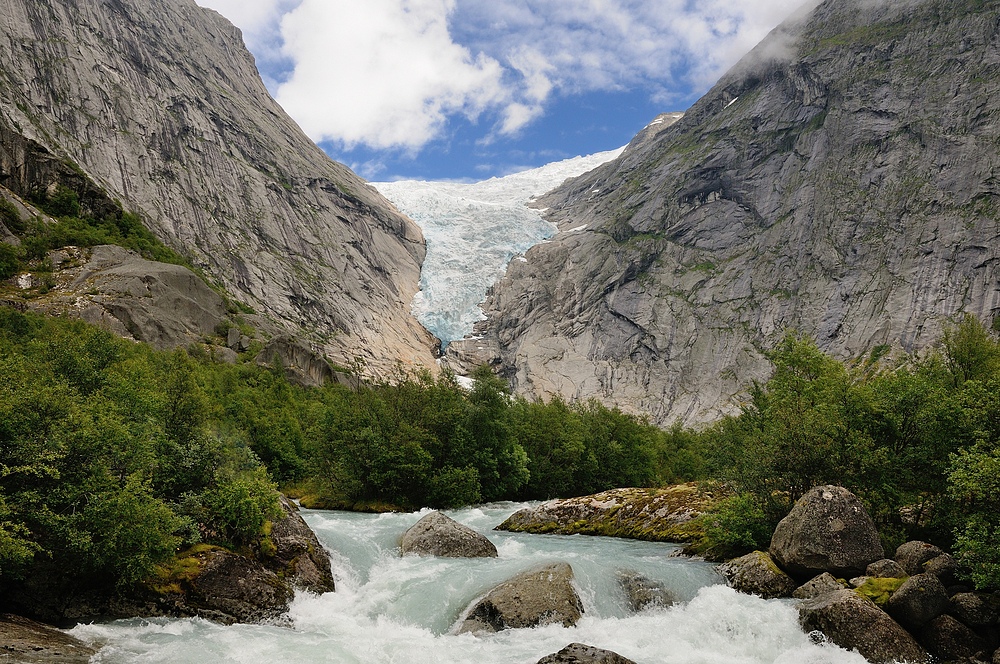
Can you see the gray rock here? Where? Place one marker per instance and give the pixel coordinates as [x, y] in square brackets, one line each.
[437, 534]
[540, 596]
[642, 593]
[578, 653]
[298, 553]
[28, 642]
[975, 609]
[944, 567]
[757, 574]
[854, 622]
[705, 241]
[232, 588]
[184, 133]
[920, 599]
[820, 585]
[949, 640]
[828, 530]
[912, 556]
[886, 569]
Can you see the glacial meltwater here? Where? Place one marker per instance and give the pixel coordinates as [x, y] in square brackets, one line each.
[389, 609]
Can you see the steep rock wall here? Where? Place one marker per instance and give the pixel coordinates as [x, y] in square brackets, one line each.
[841, 180]
[159, 102]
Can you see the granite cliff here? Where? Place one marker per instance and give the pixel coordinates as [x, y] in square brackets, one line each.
[158, 104]
[841, 180]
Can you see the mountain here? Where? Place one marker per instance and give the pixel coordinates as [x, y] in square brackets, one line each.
[841, 181]
[158, 104]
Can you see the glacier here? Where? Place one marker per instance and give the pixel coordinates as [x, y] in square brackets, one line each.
[473, 231]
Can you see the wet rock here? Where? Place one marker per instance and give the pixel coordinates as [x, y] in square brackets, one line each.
[854, 622]
[436, 534]
[757, 574]
[949, 640]
[920, 599]
[912, 556]
[819, 585]
[28, 642]
[578, 653]
[540, 596]
[298, 554]
[886, 568]
[642, 593]
[231, 588]
[828, 530]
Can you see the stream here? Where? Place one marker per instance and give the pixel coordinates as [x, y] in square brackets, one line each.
[389, 609]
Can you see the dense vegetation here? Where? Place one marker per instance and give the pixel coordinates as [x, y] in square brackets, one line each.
[918, 442]
[113, 455]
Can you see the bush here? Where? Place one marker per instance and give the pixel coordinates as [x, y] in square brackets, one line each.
[10, 260]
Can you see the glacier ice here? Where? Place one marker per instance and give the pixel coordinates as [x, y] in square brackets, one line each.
[473, 231]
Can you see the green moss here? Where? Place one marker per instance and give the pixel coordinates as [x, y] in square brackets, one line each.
[879, 589]
[173, 576]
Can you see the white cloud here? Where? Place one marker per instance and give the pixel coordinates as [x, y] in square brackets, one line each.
[391, 73]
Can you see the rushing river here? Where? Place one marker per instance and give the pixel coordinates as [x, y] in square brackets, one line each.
[389, 609]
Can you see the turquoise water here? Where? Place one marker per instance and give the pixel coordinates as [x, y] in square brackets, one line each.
[389, 609]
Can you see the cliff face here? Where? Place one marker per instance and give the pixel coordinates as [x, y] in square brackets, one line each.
[159, 102]
[842, 181]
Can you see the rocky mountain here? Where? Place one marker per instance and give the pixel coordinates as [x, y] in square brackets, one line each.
[158, 104]
[841, 180]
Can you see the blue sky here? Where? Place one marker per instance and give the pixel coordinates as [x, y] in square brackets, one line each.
[469, 89]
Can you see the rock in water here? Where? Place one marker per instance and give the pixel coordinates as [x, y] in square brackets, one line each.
[24, 641]
[232, 588]
[756, 573]
[437, 534]
[828, 530]
[642, 593]
[298, 552]
[578, 653]
[854, 622]
[159, 103]
[539, 596]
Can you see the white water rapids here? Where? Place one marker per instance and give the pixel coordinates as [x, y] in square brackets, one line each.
[473, 231]
[393, 610]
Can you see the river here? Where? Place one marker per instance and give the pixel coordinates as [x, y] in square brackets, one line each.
[389, 609]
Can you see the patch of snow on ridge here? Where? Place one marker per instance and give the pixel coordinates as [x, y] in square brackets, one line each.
[473, 231]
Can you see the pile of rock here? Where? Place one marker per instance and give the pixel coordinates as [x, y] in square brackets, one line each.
[827, 553]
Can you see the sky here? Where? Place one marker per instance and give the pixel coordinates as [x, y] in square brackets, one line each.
[472, 89]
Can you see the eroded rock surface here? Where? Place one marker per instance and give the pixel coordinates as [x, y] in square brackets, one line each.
[437, 534]
[539, 596]
[24, 641]
[643, 593]
[579, 653]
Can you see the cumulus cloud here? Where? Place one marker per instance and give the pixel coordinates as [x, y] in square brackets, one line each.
[392, 73]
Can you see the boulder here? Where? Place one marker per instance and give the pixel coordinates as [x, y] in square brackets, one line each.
[28, 642]
[854, 622]
[886, 569]
[920, 599]
[975, 609]
[820, 585]
[949, 640]
[642, 593]
[756, 573]
[828, 530]
[944, 567]
[298, 555]
[912, 556]
[539, 596]
[439, 535]
[578, 653]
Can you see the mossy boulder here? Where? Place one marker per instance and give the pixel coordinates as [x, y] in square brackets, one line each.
[656, 515]
[879, 589]
[757, 574]
[297, 554]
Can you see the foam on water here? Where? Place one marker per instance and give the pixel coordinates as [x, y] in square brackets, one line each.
[389, 609]
[473, 231]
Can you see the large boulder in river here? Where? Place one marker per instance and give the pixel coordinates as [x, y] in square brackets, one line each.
[439, 535]
[579, 653]
[643, 593]
[231, 588]
[756, 574]
[298, 555]
[854, 622]
[539, 596]
[828, 530]
[28, 642]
